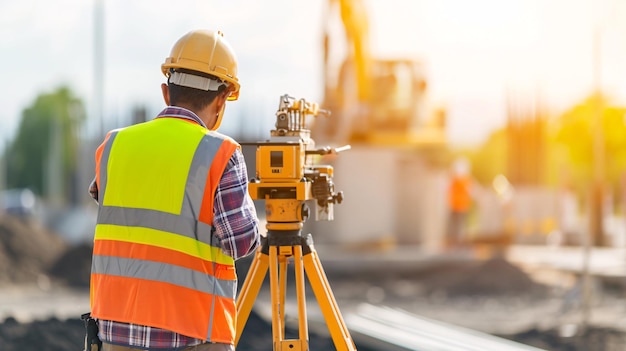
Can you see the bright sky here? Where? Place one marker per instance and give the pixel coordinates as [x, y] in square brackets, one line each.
[475, 51]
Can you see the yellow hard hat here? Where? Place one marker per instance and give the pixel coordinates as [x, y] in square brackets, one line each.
[207, 52]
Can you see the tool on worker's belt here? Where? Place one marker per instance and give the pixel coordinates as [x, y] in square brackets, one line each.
[92, 342]
[286, 178]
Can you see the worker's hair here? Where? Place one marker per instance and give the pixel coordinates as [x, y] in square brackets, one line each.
[196, 99]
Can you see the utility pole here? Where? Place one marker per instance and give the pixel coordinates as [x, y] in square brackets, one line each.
[98, 69]
[596, 228]
[4, 162]
[53, 183]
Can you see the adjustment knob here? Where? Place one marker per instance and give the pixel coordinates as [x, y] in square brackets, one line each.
[304, 212]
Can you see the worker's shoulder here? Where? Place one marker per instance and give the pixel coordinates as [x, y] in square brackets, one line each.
[222, 137]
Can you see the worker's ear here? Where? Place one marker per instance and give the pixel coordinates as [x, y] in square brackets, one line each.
[166, 93]
[220, 100]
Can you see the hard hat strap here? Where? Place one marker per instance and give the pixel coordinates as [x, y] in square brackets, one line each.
[196, 82]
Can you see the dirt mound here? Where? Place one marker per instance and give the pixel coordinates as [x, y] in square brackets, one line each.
[595, 338]
[49, 335]
[73, 267]
[493, 277]
[26, 250]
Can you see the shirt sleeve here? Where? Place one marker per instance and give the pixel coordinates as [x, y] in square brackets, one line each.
[235, 219]
[93, 187]
[93, 190]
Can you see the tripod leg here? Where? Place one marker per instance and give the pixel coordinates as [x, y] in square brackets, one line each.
[282, 281]
[250, 290]
[277, 317]
[303, 328]
[319, 283]
[281, 343]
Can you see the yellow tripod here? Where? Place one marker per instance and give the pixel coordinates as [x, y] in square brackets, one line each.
[277, 248]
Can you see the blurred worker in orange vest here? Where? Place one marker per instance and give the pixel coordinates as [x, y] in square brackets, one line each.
[174, 213]
[459, 202]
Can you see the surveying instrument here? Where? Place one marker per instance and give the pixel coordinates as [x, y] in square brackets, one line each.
[286, 179]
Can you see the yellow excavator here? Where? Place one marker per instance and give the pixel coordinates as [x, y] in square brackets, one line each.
[374, 101]
[380, 108]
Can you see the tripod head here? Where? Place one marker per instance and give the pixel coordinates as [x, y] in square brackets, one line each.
[287, 175]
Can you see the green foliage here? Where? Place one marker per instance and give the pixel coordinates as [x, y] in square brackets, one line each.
[569, 149]
[490, 158]
[575, 135]
[57, 113]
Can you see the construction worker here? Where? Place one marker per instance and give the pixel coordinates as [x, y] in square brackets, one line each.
[174, 213]
[459, 202]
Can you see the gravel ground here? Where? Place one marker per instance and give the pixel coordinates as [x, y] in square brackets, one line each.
[528, 313]
[42, 296]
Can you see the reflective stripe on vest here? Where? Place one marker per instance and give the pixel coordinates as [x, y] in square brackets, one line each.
[155, 260]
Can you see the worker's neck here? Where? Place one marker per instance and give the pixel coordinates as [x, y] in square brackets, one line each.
[205, 114]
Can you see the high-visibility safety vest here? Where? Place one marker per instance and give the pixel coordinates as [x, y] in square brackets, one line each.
[155, 260]
[459, 197]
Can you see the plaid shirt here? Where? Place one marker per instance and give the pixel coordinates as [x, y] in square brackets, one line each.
[236, 227]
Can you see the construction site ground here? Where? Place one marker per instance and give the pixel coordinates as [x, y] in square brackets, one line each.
[528, 294]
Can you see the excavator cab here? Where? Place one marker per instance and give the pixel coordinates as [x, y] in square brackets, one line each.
[397, 93]
[375, 101]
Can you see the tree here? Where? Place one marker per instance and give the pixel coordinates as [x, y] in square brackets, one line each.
[574, 135]
[490, 158]
[569, 148]
[46, 145]
[597, 157]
